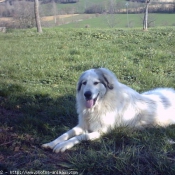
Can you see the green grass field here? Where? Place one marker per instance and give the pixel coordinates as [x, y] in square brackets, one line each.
[38, 76]
[118, 21]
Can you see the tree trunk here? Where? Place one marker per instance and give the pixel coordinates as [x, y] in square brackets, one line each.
[54, 11]
[37, 17]
[145, 19]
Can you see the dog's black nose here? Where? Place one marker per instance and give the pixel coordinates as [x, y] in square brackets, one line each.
[88, 95]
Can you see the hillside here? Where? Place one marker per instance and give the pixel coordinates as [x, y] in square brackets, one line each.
[48, 8]
[118, 6]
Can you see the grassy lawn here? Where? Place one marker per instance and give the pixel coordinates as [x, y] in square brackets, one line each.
[38, 76]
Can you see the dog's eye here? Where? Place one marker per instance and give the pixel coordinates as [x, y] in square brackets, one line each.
[84, 83]
[95, 83]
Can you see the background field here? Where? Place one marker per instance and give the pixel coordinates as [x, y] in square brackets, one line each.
[91, 14]
[38, 76]
[79, 7]
[102, 9]
[117, 21]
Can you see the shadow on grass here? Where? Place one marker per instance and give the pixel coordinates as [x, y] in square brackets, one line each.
[26, 122]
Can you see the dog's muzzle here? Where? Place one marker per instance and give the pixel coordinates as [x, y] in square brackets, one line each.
[90, 102]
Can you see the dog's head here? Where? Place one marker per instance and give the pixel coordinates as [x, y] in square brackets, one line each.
[93, 84]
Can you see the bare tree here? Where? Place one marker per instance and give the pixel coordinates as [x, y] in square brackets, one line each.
[111, 17]
[55, 11]
[173, 5]
[112, 20]
[145, 19]
[23, 14]
[151, 20]
[112, 6]
[37, 16]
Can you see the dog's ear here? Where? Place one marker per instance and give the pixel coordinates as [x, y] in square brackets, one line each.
[79, 86]
[108, 81]
[106, 77]
[80, 82]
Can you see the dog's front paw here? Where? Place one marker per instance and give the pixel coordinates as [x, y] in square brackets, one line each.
[63, 146]
[49, 145]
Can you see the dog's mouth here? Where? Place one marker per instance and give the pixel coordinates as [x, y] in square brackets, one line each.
[91, 102]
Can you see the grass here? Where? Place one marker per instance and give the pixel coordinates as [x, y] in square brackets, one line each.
[118, 21]
[38, 76]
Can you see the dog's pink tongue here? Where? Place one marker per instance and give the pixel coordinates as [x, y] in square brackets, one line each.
[89, 103]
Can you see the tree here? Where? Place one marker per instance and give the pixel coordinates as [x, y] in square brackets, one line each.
[37, 17]
[112, 20]
[23, 14]
[145, 19]
[111, 16]
[173, 5]
[55, 11]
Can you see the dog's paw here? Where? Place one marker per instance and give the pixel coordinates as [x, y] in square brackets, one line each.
[48, 145]
[63, 146]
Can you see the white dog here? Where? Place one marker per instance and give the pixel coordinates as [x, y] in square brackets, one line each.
[104, 103]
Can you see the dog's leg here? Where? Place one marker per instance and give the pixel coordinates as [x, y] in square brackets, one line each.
[75, 140]
[73, 132]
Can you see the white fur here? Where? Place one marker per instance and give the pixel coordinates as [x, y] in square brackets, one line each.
[115, 104]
